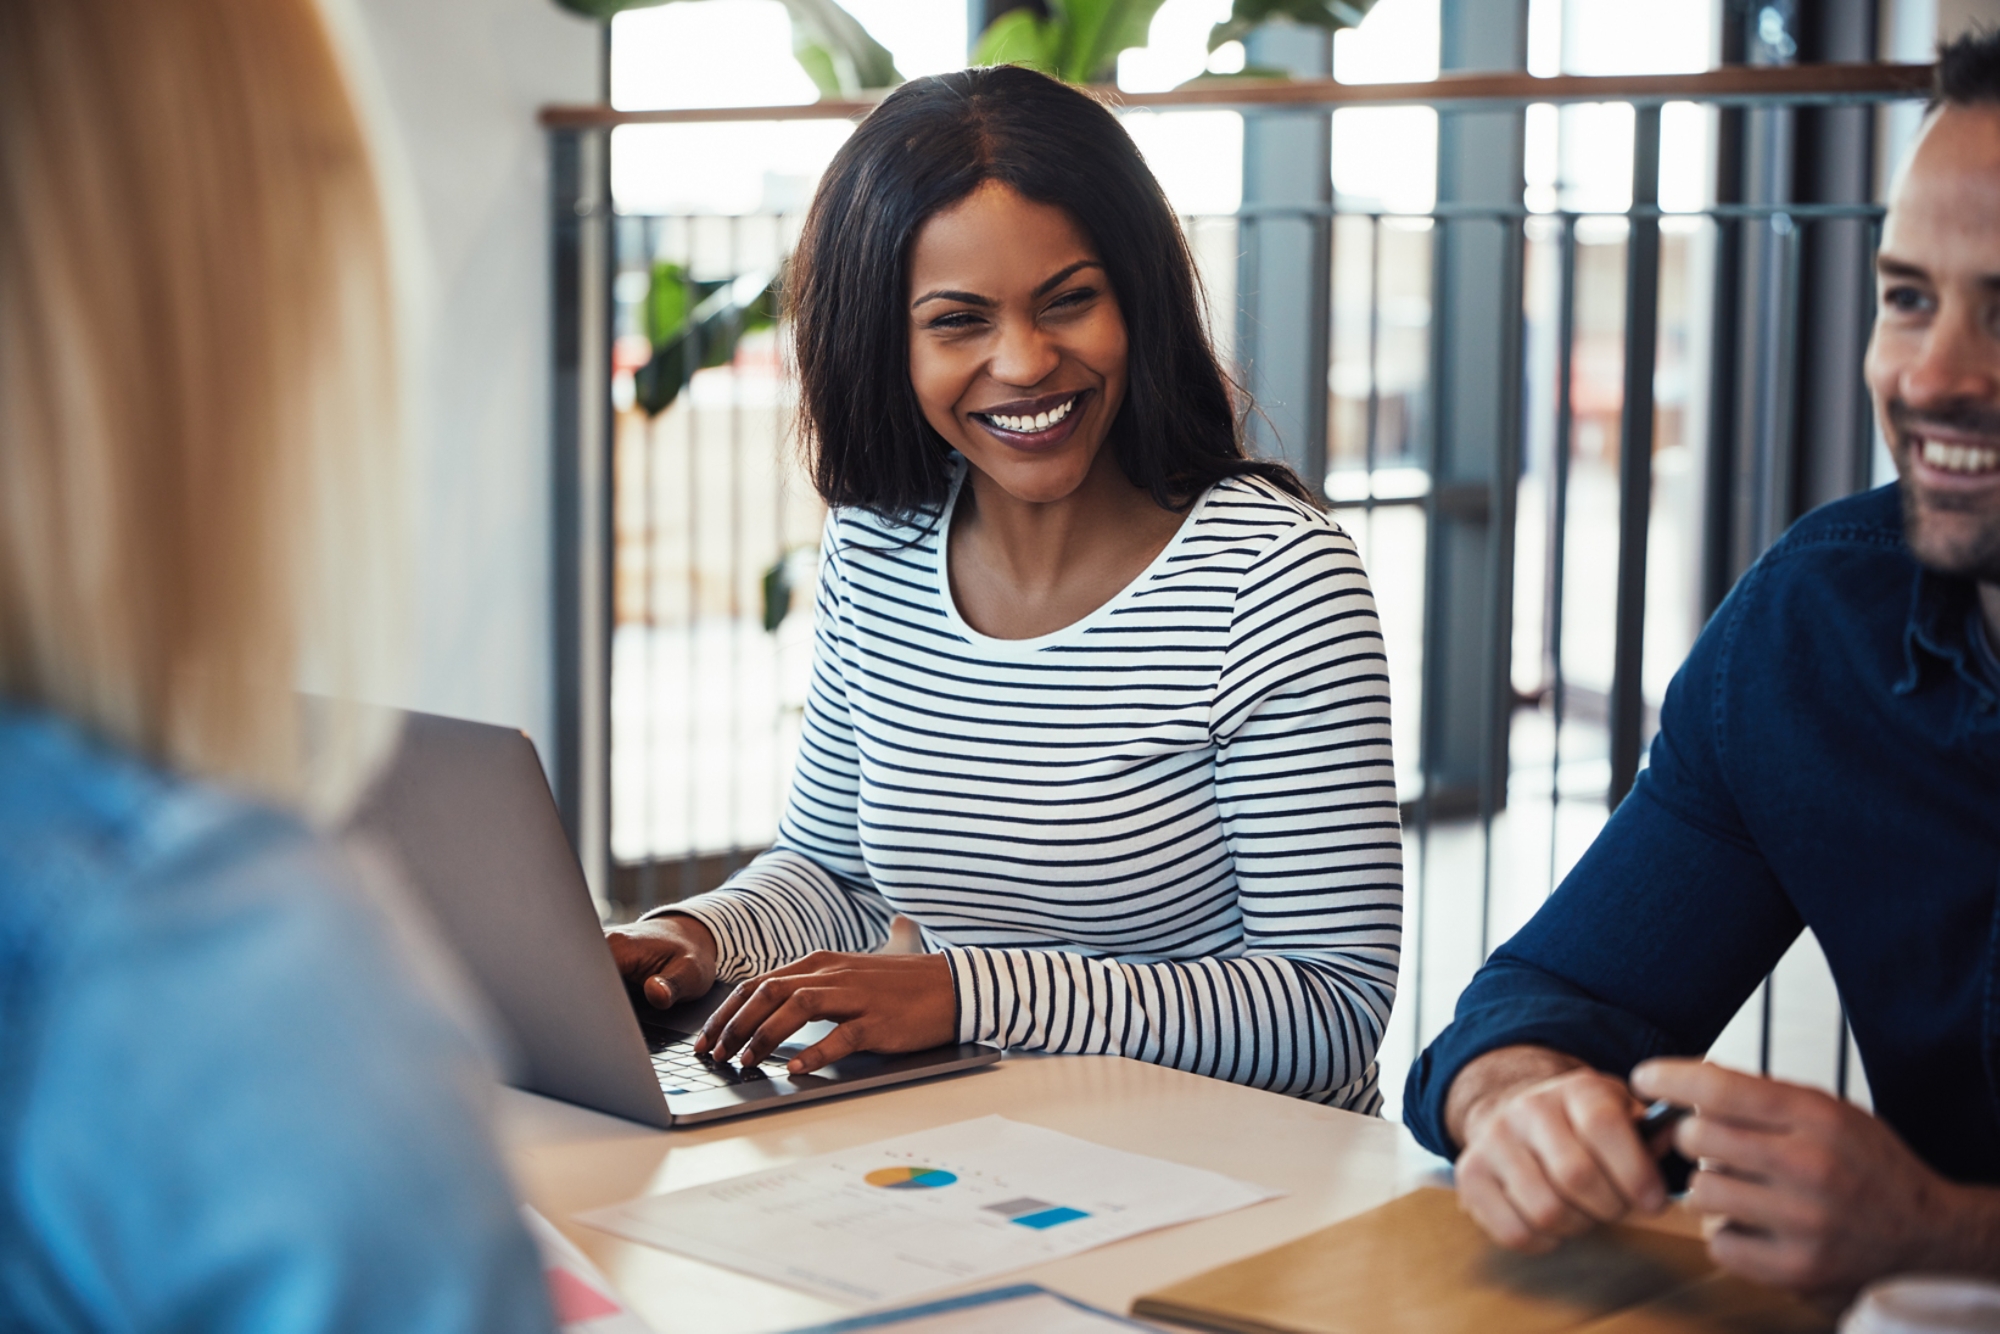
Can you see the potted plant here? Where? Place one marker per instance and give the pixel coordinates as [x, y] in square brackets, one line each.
[1078, 41]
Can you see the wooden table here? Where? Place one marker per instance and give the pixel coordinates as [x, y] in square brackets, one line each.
[1332, 1164]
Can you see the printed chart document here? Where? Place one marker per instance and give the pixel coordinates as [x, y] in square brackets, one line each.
[996, 1311]
[891, 1220]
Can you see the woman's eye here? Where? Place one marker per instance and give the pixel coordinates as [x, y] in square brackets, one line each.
[1071, 300]
[956, 320]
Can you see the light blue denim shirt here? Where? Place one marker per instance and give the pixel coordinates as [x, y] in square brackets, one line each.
[226, 1104]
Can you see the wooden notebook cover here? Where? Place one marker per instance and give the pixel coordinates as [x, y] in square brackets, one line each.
[1718, 1304]
[1417, 1265]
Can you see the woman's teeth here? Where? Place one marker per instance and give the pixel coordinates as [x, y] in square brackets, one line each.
[1041, 421]
[1960, 458]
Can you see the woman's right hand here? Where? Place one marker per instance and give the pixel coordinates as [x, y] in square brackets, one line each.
[672, 958]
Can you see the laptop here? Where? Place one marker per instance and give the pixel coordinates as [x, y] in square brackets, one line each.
[467, 810]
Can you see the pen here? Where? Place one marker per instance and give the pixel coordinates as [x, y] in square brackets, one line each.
[1656, 1122]
[1661, 1116]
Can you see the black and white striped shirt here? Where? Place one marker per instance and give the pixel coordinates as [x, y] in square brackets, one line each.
[1167, 831]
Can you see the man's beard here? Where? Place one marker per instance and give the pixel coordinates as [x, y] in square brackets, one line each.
[1976, 556]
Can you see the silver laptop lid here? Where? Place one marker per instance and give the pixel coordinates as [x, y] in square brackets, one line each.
[467, 809]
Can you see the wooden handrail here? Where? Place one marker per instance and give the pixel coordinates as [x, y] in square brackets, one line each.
[1734, 85]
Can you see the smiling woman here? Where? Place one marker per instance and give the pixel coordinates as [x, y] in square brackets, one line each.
[1098, 701]
[1024, 375]
[928, 149]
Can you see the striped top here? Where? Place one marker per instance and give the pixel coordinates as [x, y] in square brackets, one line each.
[1167, 831]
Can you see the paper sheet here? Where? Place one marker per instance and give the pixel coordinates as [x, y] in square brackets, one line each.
[584, 1302]
[996, 1311]
[901, 1217]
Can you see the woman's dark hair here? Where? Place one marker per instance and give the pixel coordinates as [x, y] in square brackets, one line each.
[928, 145]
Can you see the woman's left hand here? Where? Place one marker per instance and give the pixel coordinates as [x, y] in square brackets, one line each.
[882, 1002]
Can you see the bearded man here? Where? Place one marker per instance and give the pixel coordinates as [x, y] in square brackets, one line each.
[1828, 757]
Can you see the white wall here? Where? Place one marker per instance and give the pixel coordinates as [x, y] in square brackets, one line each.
[1911, 29]
[458, 83]
[1956, 16]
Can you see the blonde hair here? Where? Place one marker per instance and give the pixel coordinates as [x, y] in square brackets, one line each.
[198, 463]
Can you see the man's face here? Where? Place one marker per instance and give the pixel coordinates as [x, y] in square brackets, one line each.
[1934, 361]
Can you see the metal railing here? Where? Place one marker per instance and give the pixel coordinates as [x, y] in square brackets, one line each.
[1649, 416]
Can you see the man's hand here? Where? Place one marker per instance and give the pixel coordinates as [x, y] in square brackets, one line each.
[882, 1003]
[1814, 1193]
[672, 957]
[1550, 1148]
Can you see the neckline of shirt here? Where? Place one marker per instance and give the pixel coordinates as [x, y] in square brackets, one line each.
[1947, 624]
[1984, 651]
[1076, 629]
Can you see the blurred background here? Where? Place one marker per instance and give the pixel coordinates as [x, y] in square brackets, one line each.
[1563, 362]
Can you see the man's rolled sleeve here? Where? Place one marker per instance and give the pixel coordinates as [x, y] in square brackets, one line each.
[1510, 1004]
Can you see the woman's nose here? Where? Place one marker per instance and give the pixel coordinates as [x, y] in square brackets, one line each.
[1025, 355]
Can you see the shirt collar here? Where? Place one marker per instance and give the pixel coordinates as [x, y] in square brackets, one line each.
[1941, 606]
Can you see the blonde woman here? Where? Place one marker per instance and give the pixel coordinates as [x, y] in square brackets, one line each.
[225, 1101]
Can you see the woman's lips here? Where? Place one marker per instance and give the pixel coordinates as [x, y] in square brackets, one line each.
[1037, 424]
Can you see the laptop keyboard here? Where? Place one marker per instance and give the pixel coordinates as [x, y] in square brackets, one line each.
[681, 1071]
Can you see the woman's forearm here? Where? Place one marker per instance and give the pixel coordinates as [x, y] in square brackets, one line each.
[1284, 1024]
[779, 909]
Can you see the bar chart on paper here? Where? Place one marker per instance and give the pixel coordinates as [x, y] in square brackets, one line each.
[906, 1216]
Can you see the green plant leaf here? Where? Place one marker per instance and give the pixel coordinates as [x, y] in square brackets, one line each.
[687, 340]
[777, 593]
[819, 65]
[668, 301]
[1078, 42]
[1021, 37]
[1248, 14]
[1097, 30]
[855, 60]
[604, 9]
[657, 384]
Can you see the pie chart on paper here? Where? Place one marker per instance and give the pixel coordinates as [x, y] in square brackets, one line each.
[909, 1178]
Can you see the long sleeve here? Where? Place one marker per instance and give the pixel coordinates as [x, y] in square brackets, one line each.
[811, 890]
[1304, 786]
[1657, 936]
[229, 1105]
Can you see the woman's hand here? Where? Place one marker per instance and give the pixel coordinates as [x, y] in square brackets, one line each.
[885, 1003]
[672, 958]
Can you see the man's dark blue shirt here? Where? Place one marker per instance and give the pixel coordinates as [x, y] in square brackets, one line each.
[1828, 757]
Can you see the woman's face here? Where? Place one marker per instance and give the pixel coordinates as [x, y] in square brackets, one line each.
[1017, 346]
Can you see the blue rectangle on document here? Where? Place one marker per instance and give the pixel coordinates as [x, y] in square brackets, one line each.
[1050, 1217]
